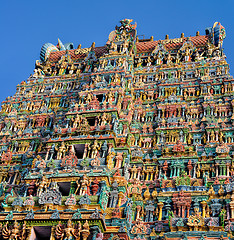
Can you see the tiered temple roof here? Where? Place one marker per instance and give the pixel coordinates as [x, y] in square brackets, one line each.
[130, 140]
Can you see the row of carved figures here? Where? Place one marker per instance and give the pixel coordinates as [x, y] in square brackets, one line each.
[61, 231]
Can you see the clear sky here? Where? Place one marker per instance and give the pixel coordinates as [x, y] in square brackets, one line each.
[27, 25]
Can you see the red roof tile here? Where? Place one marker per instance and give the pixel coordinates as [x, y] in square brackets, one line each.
[148, 46]
[55, 56]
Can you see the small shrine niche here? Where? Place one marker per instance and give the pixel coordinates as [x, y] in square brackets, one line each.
[41, 233]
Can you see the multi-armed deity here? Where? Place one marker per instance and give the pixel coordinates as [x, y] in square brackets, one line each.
[130, 140]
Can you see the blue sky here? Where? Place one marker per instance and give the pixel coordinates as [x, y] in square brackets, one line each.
[27, 25]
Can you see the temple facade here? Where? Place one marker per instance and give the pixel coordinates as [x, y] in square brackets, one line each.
[130, 140]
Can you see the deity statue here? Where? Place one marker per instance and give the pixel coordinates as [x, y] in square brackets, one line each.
[177, 60]
[61, 151]
[204, 138]
[94, 149]
[77, 121]
[51, 151]
[69, 232]
[14, 233]
[103, 119]
[169, 58]
[212, 136]
[221, 137]
[198, 171]
[189, 139]
[211, 193]
[109, 160]
[84, 185]
[187, 55]
[89, 97]
[42, 185]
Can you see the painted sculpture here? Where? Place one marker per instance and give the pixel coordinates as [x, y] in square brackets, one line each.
[131, 140]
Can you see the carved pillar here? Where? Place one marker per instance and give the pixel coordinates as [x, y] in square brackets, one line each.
[138, 208]
[171, 173]
[183, 109]
[147, 175]
[134, 174]
[138, 175]
[47, 152]
[188, 208]
[163, 112]
[194, 171]
[208, 136]
[121, 196]
[160, 206]
[228, 169]
[220, 170]
[159, 113]
[174, 174]
[225, 88]
[204, 204]
[174, 207]
[160, 172]
[178, 171]
[224, 170]
[151, 175]
[232, 205]
[179, 210]
[216, 136]
[217, 171]
[228, 211]
[183, 211]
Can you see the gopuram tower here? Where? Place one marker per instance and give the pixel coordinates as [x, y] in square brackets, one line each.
[130, 140]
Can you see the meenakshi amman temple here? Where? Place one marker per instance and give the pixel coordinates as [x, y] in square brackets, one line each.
[130, 140]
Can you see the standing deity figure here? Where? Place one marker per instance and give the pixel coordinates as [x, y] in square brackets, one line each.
[42, 186]
[61, 151]
[119, 160]
[109, 97]
[148, 62]
[177, 60]
[52, 151]
[89, 98]
[94, 149]
[15, 233]
[84, 186]
[169, 58]
[104, 148]
[69, 232]
[103, 119]
[103, 64]
[77, 121]
[109, 160]
[187, 55]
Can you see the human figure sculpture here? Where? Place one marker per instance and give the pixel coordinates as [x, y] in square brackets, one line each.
[84, 186]
[52, 151]
[42, 186]
[61, 151]
[67, 233]
[94, 149]
[15, 233]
